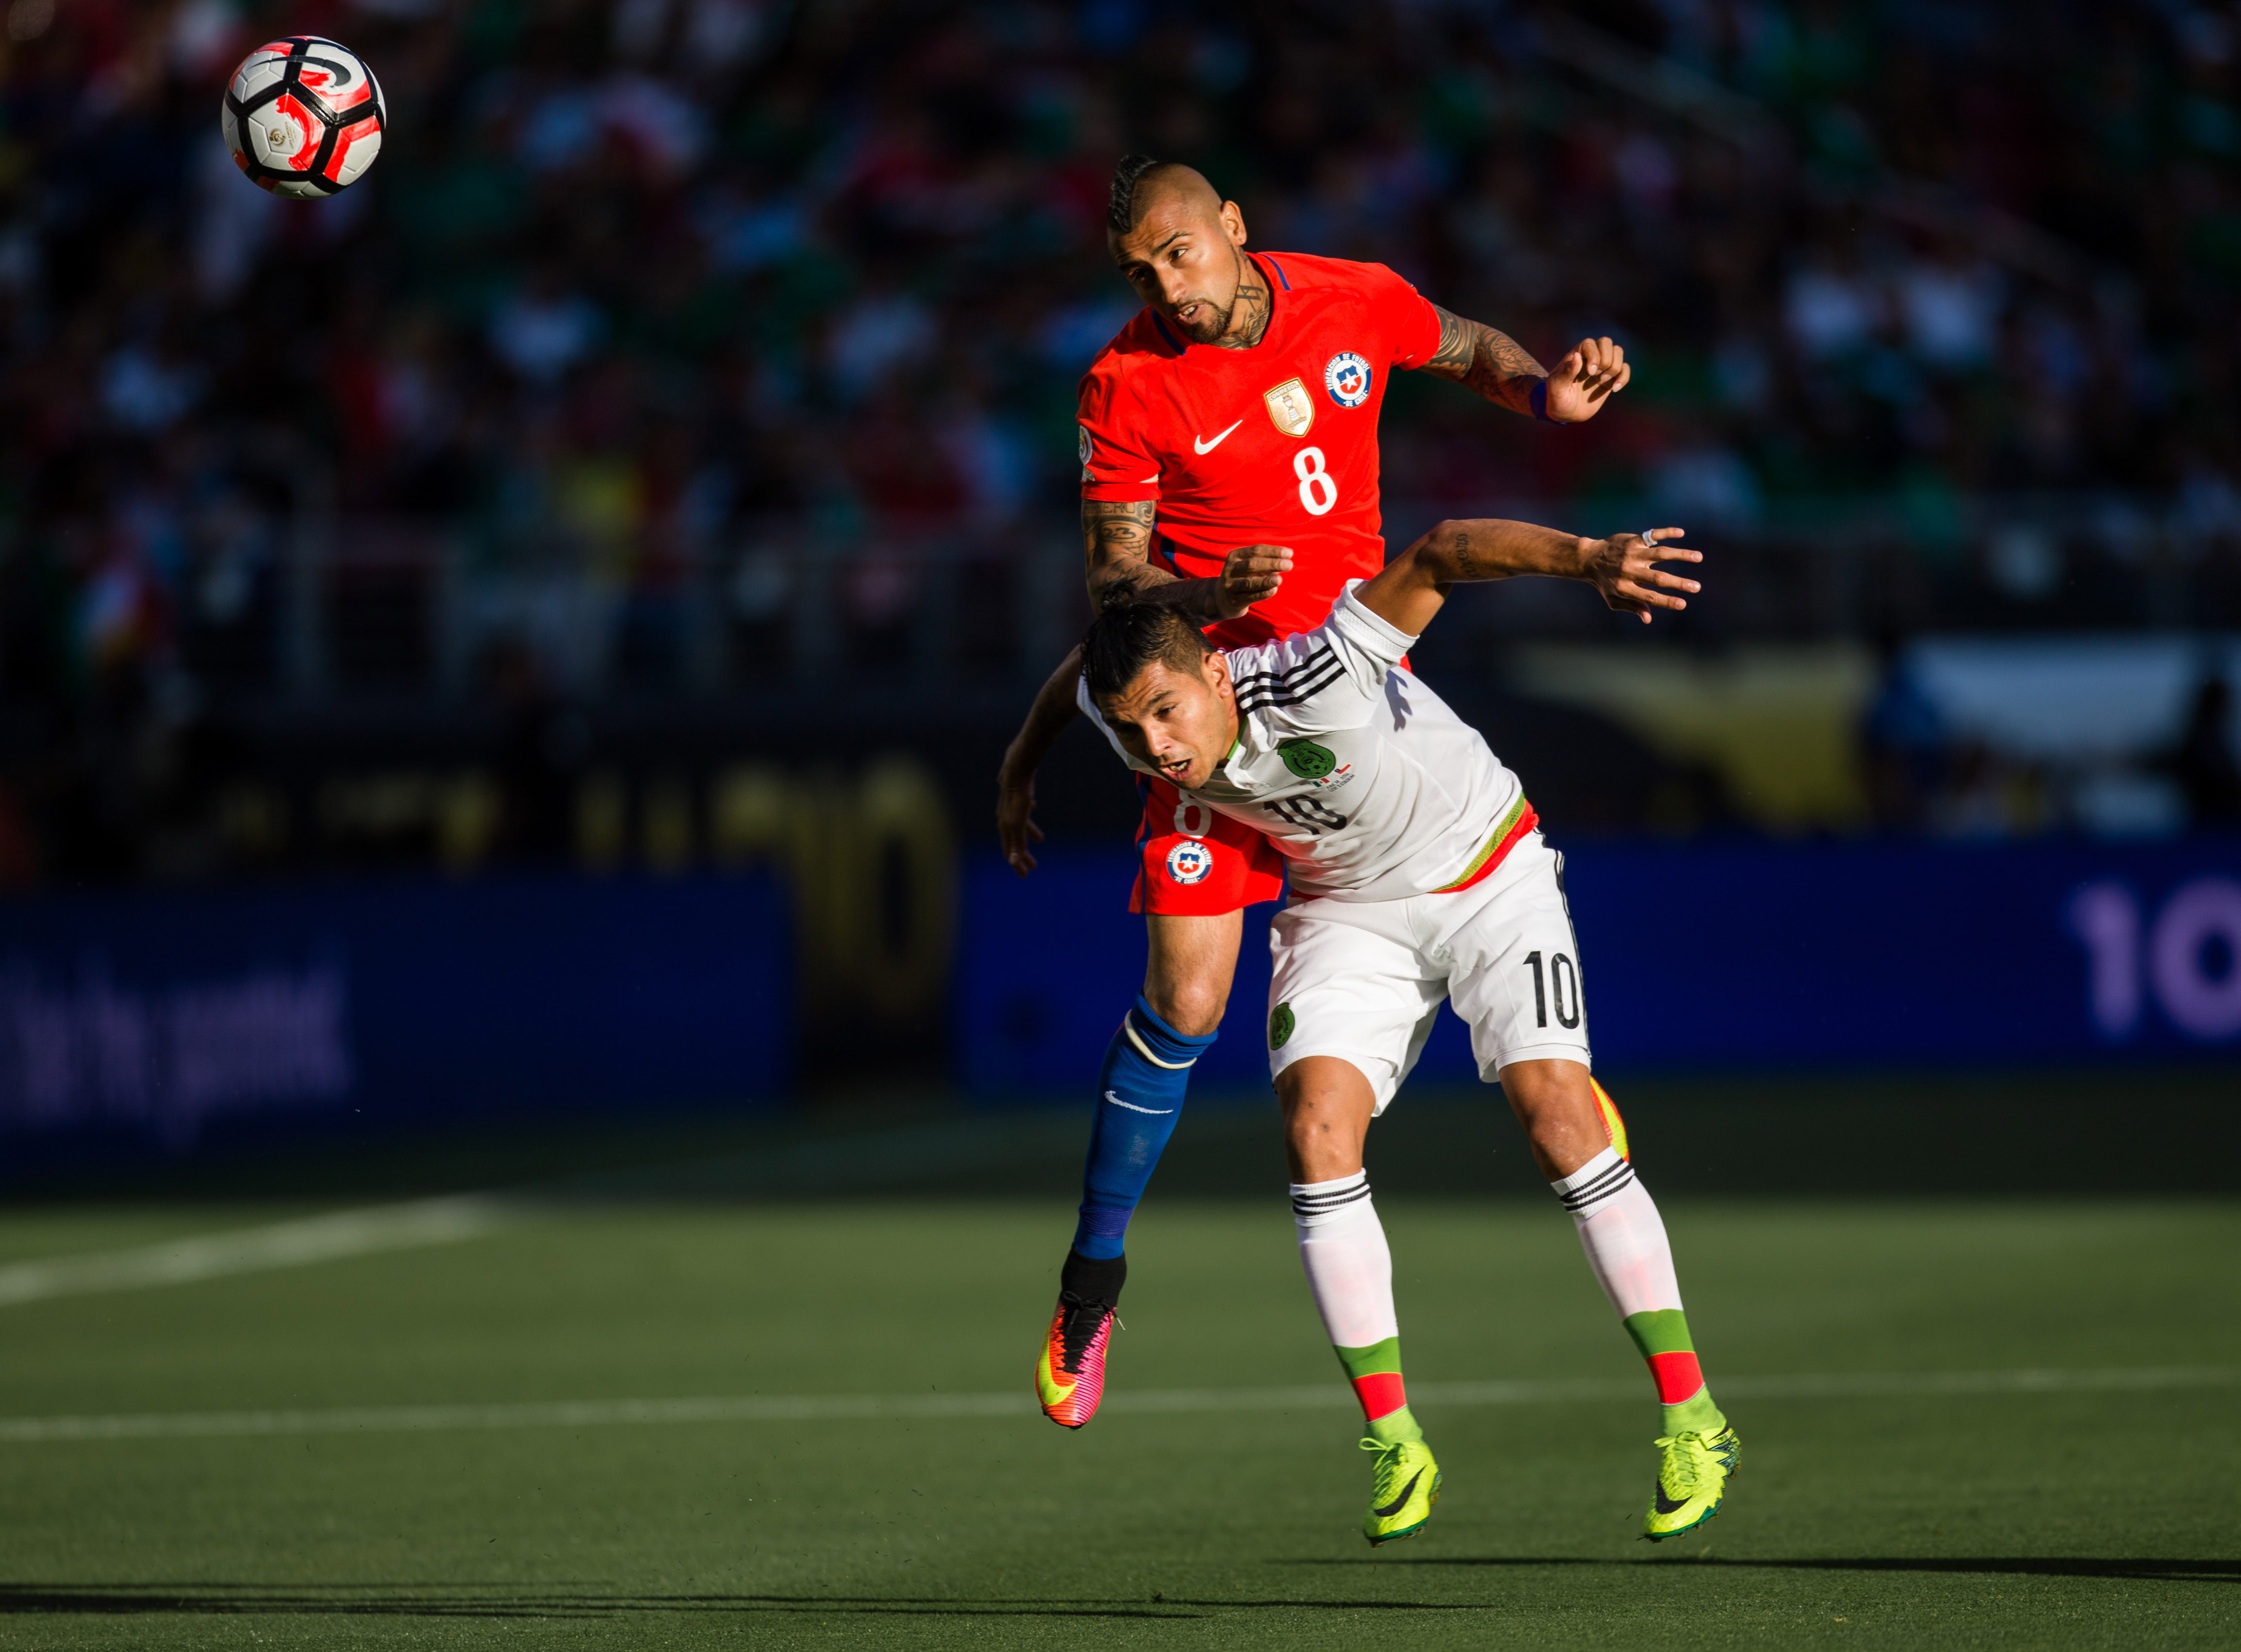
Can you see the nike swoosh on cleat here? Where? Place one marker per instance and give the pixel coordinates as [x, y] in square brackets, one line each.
[1131, 1106]
[1665, 1505]
[1396, 1505]
[1205, 446]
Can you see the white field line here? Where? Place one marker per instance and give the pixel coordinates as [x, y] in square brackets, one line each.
[577, 1414]
[856, 1161]
[250, 1250]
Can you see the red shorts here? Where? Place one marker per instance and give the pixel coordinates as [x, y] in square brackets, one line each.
[1196, 863]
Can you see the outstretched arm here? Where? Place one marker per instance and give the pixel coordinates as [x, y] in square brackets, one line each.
[1496, 365]
[1414, 585]
[1053, 709]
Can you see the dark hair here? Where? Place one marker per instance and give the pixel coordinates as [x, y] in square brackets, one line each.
[1129, 636]
[1120, 216]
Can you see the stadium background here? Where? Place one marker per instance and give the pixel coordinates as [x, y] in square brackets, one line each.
[501, 674]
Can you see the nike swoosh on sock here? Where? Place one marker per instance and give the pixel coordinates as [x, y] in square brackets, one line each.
[1133, 1107]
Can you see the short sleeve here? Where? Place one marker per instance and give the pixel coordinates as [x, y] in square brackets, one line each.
[1372, 635]
[1115, 466]
[1405, 318]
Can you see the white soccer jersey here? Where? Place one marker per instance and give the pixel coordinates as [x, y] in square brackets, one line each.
[1363, 778]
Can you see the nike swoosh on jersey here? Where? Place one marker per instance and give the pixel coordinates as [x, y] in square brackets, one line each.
[1131, 1106]
[1208, 447]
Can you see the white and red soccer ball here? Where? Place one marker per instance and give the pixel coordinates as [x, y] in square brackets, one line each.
[304, 117]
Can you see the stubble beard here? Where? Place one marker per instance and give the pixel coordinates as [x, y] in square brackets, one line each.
[1213, 323]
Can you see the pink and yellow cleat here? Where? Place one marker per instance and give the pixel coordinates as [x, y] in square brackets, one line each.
[1070, 1371]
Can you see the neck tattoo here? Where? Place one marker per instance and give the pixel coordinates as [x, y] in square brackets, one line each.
[1251, 310]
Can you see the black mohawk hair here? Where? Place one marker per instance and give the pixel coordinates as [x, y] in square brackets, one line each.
[1120, 216]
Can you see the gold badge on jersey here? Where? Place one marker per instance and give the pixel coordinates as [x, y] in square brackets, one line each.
[1290, 407]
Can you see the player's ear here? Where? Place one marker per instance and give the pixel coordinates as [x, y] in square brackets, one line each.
[1216, 671]
[1233, 223]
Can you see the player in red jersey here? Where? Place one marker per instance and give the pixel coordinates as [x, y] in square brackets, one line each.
[1229, 467]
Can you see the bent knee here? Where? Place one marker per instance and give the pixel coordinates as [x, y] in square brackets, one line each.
[1193, 1008]
[1190, 993]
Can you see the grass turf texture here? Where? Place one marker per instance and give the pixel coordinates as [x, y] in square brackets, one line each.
[2071, 1519]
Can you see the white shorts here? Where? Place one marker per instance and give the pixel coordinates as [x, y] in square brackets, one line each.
[1363, 980]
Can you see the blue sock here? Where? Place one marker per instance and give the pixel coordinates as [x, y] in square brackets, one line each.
[1139, 1096]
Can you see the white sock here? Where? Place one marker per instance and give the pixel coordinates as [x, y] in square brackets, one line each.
[1622, 1232]
[1350, 1266]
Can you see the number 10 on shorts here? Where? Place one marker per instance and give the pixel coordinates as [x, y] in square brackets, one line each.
[1560, 982]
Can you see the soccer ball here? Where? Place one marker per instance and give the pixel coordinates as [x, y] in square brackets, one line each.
[304, 117]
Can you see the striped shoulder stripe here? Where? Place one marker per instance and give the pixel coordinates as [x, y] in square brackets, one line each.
[1314, 664]
[1293, 691]
[1277, 673]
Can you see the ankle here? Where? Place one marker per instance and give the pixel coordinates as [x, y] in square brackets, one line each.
[1093, 1279]
[1696, 1415]
[1394, 1427]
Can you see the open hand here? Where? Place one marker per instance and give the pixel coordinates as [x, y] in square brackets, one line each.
[1015, 818]
[1249, 573]
[1624, 569]
[1594, 371]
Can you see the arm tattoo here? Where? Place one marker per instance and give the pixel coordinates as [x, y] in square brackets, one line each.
[1475, 561]
[1117, 533]
[1486, 360]
[1116, 542]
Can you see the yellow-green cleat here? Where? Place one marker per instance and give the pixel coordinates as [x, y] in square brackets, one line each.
[1404, 1483]
[1692, 1482]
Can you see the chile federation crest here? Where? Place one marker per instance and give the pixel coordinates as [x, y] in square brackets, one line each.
[1189, 861]
[1347, 378]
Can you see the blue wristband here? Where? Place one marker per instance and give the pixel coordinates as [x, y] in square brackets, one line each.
[1539, 397]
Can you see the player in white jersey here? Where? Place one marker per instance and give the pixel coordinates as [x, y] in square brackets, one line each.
[1417, 876]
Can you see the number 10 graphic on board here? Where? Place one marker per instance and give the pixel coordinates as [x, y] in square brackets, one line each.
[2190, 954]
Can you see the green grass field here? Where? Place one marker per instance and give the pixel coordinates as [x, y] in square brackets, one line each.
[2077, 1514]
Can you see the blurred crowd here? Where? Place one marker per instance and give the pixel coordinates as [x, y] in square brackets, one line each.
[631, 274]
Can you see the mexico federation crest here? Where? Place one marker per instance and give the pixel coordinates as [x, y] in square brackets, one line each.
[1281, 1023]
[1307, 759]
[1290, 408]
[1189, 860]
[1347, 378]
[1082, 431]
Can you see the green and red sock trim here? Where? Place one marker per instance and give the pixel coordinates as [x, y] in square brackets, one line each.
[1662, 1336]
[1374, 1371]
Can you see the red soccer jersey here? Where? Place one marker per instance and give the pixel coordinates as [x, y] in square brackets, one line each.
[1276, 445]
